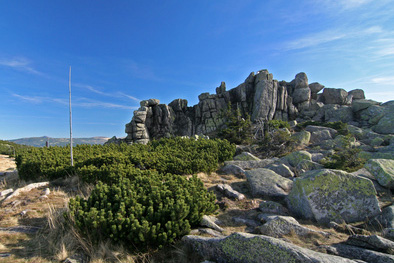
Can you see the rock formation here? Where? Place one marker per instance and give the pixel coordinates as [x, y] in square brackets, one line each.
[262, 98]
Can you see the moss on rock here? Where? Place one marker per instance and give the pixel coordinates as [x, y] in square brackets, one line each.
[332, 195]
[383, 170]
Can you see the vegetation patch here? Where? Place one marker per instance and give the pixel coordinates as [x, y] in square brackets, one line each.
[143, 211]
[174, 155]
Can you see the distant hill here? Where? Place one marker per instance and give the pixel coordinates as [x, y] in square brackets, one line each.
[40, 141]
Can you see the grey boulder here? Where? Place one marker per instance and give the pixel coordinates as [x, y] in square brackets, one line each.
[265, 182]
[332, 195]
[248, 248]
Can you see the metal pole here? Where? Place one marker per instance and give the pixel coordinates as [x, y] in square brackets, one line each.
[71, 123]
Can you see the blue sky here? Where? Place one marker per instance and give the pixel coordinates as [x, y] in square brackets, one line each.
[122, 52]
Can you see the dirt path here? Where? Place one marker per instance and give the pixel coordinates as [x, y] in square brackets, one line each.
[6, 164]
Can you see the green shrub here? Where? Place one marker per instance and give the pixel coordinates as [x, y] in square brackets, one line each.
[345, 159]
[277, 124]
[276, 143]
[141, 211]
[12, 149]
[236, 129]
[175, 155]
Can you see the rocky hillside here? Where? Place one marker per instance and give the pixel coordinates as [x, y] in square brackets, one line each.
[262, 98]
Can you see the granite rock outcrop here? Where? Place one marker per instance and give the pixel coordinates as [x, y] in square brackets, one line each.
[262, 98]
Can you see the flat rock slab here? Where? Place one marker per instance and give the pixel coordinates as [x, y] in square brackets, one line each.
[332, 195]
[248, 248]
[265, 182]
[373, 242]
[26, 189]
[359, 253]
[252, 164]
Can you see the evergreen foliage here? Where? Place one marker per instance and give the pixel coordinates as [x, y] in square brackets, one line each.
[141, 211]
[346, 158]
[174, 155]
[11, 149]
[276, 140]
[236, 129]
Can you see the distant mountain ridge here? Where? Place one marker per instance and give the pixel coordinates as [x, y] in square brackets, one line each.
[41, 141]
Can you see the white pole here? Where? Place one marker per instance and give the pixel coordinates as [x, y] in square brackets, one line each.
[71, 123]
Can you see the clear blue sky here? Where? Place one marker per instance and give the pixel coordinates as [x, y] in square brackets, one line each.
[125, 51]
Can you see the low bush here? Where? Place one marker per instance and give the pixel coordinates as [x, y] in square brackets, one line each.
[175, 155]
[236, 129]
[345, 159]
[141, 211]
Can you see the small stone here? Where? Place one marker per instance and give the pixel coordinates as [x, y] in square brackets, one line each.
[46, 191]
[230, 192]
[209, 221]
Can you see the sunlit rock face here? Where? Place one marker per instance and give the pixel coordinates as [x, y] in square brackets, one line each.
[261, 98]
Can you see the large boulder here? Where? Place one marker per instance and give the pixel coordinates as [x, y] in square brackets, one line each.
[300, 95]
[334, 113]
[383, 170]
[245, 156]
[295, 158]
[332, 195]
[315, 87]
[359, 105]
[357, 94]
[265, 97]
[358, 253]
[373, 242]
[319, 136]
[302, 137]
[314, 128]
[265, 182]
[281, 169]
[371, 115]
[334, 96]
[248, 248]
[301, 81]
[386, 123]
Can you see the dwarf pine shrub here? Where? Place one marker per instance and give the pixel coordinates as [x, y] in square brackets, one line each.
[174, 155]
[141, 211]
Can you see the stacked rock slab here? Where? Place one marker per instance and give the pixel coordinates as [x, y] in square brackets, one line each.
[262, 98]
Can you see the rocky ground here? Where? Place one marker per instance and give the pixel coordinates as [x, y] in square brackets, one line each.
[285, 209]
[290, 209]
